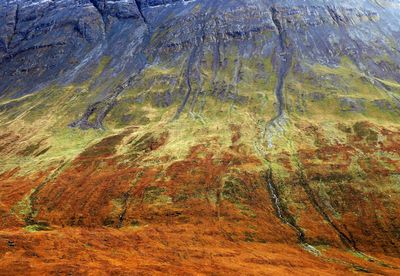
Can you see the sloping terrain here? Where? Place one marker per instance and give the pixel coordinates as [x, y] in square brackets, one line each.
[200, 137]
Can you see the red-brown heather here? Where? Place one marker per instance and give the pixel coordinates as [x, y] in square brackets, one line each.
[210, 212]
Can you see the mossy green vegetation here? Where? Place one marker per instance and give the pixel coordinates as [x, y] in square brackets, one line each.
[37, 227]
[105, 60]
[23, 208]
[324, 93]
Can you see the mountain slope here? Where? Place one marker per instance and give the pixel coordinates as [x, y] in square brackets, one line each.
[251, 136]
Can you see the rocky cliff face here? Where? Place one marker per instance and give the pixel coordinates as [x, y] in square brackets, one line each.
[253, 125]
[41, 40]
[58, 41]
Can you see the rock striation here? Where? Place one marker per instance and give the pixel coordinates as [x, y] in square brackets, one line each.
[49, 41]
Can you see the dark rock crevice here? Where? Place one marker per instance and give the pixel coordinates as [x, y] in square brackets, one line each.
[83, 123]
[16, 20]
[188, 83]
[335, 16]
[347, 239]
[125, 205]
[102, 108]
[140, 11]
[95, 4]
[195, 59]
[284, 62]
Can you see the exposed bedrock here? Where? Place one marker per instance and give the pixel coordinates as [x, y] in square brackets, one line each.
[62, 42]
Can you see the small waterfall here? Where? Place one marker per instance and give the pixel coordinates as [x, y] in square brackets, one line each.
[300, 234]
[276, 202]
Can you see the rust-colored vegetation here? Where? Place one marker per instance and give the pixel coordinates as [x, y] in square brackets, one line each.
[126, 204]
